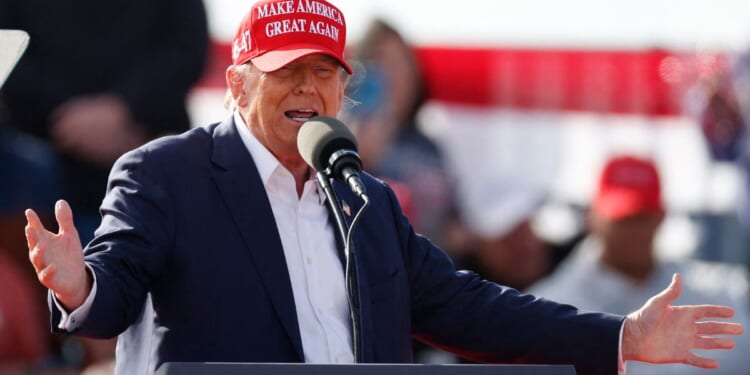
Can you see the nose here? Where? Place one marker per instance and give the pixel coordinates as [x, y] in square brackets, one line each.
[305, 82]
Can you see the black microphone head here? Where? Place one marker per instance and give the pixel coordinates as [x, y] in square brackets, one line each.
[320, 137]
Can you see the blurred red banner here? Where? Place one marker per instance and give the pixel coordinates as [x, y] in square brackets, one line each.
[645, 82]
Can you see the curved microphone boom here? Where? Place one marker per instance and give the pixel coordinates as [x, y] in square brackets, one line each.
[326, 144]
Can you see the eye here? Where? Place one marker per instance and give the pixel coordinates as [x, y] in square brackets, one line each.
[285, 70]
[324, 70]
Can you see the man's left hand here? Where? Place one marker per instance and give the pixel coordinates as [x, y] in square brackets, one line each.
[661, 333]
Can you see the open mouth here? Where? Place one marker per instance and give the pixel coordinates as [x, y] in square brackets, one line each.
[300, 115]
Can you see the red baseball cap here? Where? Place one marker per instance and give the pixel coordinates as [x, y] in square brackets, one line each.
[274, 33]
[628, 186]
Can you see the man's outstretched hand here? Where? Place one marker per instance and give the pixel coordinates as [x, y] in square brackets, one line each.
[58, 257]
[661, 333]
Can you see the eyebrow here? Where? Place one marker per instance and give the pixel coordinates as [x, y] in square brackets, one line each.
[328, 59]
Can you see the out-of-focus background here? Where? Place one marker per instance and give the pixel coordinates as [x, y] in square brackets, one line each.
[491, 119]
[536, 94]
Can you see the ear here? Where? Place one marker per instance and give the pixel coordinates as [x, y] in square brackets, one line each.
[235, 84]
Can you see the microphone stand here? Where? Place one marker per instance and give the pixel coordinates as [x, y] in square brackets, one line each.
[352, 283]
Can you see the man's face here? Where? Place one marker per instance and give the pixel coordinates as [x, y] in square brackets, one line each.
[517, 258]
[631, 237]
[279, 102]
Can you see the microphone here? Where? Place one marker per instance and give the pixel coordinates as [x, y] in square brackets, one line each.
[327, 145]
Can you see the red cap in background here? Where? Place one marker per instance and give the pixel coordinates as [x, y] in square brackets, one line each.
[628, 186]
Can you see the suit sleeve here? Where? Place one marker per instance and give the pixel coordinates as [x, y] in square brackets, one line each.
[485, 322]
[130, 246]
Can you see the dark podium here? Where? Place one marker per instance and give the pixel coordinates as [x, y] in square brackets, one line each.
[196, 368]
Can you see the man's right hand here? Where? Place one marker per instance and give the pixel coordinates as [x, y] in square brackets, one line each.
[58, 257]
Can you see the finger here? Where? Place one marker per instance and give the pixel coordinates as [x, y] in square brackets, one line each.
[64, 216]
[714, 343]
[710, 311]
[702, 362]
[670, 294]
[31, 239]
[718, 328]
[32, 219]
[34, 230]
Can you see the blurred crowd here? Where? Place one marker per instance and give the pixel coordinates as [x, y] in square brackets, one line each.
[70, 109]
[97, 79]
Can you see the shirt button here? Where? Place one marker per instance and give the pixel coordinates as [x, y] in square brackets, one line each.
[336, 360]
[320, 312]
[309, 260]
[72, 320]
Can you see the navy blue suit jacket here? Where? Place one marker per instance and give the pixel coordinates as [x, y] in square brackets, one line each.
[189, 267]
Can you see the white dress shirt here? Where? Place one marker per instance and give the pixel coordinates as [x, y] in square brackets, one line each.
[315, 270]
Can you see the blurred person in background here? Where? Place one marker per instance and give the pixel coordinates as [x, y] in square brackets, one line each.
[717, 103]
[369, 116]
[372, 125]
[23, 340]
[389, 92]
[616, 269]
[505, 248]
[721, 120]
[98, 79]
[741, 85]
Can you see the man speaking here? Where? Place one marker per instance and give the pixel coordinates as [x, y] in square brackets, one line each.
[216, 245]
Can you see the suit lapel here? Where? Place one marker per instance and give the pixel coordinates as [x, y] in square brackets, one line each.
[240, 184]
